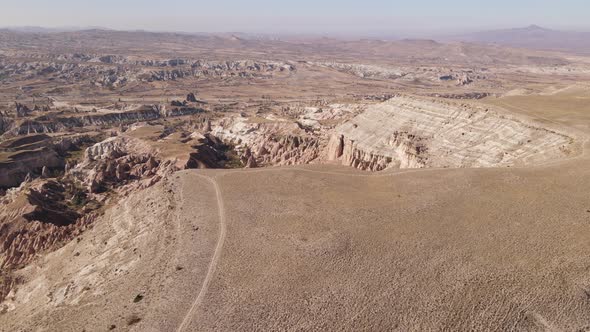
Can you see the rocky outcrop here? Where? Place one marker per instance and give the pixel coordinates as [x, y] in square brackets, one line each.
[43, 214]
[467, 95]
[251, 162]
[288, 150]
[225, 69]
[365, 71]
[37, 217]
[407, 147]
[269, 143]
[335, 147]
[19, 164]
[35, 154]
[408, 132]
[408, 73]
[111, 71]
[47, 200]
[297, 138]
[323, 118]
[115, 162]
[110, 148]
[120, 171]
[52, 123]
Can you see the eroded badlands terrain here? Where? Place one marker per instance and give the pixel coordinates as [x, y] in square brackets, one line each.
[230, 183]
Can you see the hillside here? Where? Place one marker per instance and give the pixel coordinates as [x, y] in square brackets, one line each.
[534, 37]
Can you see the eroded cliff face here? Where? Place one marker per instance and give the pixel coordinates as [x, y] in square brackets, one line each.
[298, 136]
[439, 75]
[30, 154]
[407, 148]
[404, 132]
[110, 71]
[124, 163]
[38, 216]
[407, 132]
[42, 214]
[14, 170]
[52, 123]
[268, 142]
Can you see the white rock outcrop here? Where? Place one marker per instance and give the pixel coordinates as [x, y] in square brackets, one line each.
[408, 132]
[268, 143]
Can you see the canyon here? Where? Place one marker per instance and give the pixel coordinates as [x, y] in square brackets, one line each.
[230, 183]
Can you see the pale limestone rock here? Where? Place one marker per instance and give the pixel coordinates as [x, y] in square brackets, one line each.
[409, 132]
[335, 147]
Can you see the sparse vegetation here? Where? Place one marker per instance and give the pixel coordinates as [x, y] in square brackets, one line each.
[230, 157]
[76, 197]
[133, 319]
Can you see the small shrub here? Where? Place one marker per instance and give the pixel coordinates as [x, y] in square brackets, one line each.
[133, 319]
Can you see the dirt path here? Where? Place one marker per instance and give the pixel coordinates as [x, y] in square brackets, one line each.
[215, 258]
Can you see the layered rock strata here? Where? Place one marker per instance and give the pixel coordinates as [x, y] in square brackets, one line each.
[269, 143]
[407, 132]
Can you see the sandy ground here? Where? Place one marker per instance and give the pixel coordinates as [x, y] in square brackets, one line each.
[492, 249]
[478, 249]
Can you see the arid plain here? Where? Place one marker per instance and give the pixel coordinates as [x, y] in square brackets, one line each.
[234, 183]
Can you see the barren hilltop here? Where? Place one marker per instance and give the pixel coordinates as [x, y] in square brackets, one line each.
[222, 182]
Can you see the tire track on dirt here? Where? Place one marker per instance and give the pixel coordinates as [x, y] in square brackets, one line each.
[216, 254]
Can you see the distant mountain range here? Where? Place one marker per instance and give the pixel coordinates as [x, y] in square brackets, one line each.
[531, 37]
[36, 29]
[534, 37]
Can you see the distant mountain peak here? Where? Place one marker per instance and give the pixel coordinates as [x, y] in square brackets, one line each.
[534, 37]
[534, 27]
[419, 41]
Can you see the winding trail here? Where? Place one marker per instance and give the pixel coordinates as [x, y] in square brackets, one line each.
[216, 254]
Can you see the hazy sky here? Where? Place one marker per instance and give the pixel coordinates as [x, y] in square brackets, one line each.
[307, 16]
